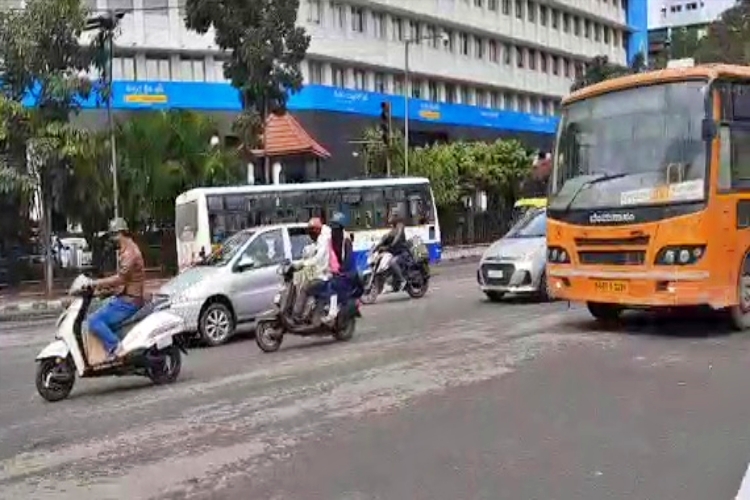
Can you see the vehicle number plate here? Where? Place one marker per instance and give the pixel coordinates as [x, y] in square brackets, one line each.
[494, 273]
[611, 286]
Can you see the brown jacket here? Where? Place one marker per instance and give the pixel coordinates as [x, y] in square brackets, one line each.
[132, 272]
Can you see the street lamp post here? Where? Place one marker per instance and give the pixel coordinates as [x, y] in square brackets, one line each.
[407, 42]
[107, 24]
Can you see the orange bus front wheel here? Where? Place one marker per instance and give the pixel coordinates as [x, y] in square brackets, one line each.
[739, 314]
[603, 311]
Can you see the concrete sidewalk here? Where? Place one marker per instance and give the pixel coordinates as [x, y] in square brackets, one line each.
[32, 308]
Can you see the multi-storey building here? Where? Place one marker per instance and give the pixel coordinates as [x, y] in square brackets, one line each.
[478, 69]
[667, 15]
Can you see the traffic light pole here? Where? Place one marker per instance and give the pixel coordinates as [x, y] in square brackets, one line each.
[406, 107]
[389, 147]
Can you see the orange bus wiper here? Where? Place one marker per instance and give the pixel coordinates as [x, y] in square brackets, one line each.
[588, 184]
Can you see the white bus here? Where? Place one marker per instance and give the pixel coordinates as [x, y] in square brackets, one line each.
[205, 217]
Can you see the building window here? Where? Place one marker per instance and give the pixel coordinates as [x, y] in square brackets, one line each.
[123, 68]
[587, 29]
[338, 14]
[465, 95]
[158, 69]
[313, 11]
[378, 24]
[606, 35]
[543, 12]
[480, 98]
[415, 31]
[508, 101]
[450, 93]
[494, 100]
[555, 19]
[494, 57]
[543, 62]
[398, 85]
[519, 57]
[478, 48]
[338, 76]
[506, 54]
[448, 35]
[358, 20]
[359, 79]
[464, 42]
[532, 59]
[379, 83]
[577, 26]
[597, 33]
[566, 66]
[398, 29]
[506, 7]
[492, 4]
[519, 9]
[416, 89]
[566, 23]
[531, 10]
[432, 89]
[478, 3]
[315, 72]
[555, 65]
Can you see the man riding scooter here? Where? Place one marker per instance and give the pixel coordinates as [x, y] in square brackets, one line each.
[320, 265]
[130, 279]
[395, 243]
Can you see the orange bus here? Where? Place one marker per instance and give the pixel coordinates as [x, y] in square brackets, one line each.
[649, 202]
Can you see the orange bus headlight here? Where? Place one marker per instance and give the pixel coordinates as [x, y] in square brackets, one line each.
[680, 255]
[558, 255]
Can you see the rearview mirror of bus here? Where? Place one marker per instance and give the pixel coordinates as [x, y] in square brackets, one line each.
[708, 129]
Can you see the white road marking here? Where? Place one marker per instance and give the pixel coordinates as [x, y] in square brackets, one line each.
[744, 493]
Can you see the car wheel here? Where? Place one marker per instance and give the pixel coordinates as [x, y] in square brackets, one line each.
[216, 324]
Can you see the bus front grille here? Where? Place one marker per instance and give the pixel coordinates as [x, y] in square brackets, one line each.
[604, 242]
[616, 258]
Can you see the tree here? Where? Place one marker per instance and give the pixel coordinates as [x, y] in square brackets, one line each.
[600, 69]
[41, 58]
[266, 49]
[728, 38]
[376, 154]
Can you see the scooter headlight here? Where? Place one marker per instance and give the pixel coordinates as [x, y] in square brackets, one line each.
[277, 299]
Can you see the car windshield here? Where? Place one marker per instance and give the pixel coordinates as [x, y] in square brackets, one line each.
[222, 255]
[532, 225]
[641, 146]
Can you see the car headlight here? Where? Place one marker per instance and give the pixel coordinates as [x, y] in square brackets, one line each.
[680, 255]
[558, 255]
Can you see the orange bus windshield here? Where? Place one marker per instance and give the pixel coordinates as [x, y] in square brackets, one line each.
[637, 146]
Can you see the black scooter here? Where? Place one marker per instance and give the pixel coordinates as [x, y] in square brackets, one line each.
[273, 325]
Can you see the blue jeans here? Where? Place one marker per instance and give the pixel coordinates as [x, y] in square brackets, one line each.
[111, 314]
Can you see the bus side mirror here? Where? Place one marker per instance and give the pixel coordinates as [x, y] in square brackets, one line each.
[708, 129]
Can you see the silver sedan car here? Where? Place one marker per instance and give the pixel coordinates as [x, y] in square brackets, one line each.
[516, 262]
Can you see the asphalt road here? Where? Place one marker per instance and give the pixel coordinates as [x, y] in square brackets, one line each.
[448, 397]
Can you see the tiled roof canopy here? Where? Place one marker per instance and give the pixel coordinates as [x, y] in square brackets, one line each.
[285, 137]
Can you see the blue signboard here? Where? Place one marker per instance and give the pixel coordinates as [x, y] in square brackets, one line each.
[223, 97]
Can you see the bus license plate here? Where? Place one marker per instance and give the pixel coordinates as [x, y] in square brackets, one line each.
[611, 286]
[494, 273]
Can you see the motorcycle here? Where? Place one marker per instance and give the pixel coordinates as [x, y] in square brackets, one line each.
[151, 346]
[277, 322]
[378, 273]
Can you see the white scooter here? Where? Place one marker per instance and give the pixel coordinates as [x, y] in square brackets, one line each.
[149, 346]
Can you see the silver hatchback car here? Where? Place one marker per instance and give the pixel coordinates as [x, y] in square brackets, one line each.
[235, 284]
[516, 262]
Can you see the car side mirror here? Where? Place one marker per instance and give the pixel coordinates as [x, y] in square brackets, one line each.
[708, 129]
[245, 263]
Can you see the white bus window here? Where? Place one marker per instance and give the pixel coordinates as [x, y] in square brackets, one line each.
[186, 221]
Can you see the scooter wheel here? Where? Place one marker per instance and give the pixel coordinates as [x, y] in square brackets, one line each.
[268, 337]
[55, 379]
[165, 366]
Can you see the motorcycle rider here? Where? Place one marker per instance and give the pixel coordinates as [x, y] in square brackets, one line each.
[395, 243]
[130, 279]
[320, 263]
[347, 279]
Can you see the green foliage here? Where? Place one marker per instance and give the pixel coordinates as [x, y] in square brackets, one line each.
[160, 155]
[266, 49]
[600, 69]
[455, 169]
[684, 43]
[728, 38]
